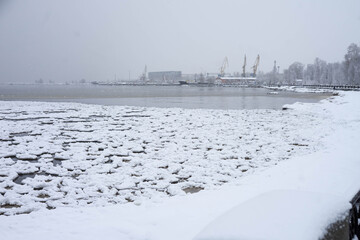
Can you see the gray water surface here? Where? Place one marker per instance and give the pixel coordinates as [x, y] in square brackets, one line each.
[158, 96]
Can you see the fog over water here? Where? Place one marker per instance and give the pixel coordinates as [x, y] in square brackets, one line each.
[98, 40]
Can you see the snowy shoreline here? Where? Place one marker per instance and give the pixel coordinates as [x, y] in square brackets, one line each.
[106, 155]
[301, 89]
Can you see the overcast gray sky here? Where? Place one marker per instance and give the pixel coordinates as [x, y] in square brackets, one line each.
[66, 40]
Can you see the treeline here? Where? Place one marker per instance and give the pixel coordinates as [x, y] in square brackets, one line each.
[346, 72]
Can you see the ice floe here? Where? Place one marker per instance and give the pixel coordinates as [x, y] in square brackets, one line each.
[69, 154]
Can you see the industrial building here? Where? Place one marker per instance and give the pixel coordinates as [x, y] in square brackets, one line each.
[168, 76]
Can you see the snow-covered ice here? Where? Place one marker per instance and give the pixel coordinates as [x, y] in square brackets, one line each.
[67, 154]
[89, 156]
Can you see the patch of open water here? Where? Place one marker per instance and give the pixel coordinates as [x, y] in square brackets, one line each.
[191, 97]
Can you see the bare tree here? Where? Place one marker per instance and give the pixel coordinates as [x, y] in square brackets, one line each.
[294, 72]
[352, 64]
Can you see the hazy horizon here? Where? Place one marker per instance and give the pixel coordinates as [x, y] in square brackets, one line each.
[96, 40]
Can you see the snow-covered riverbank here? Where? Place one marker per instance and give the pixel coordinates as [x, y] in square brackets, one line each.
[77, 158]
[301, 89]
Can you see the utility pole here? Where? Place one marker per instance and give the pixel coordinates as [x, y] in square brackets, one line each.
[275, 70]
[243, 74]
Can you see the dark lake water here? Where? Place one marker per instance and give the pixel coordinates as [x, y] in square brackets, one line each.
[158, 96]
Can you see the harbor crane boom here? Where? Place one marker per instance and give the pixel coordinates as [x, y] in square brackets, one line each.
[243, 67]
[223, 67]
[256, 64]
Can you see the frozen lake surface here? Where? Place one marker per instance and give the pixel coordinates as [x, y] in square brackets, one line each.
[110, 170]
[159, 96]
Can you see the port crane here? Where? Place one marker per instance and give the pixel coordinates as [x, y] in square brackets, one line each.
[243, 67]
[256, 64]
[143, 75]
[223, 67]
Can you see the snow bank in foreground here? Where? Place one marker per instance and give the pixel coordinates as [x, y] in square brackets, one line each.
[331, 170]
[277, 215]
